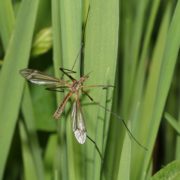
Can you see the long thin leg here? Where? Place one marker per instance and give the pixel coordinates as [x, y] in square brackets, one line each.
[99, 152]
[101, 86]
[68, 75]
[68, 70]
[55, 89]
[86, 93]
[60, 109]
[118, 117]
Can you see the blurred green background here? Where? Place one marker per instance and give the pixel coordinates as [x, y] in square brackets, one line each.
[132, 45]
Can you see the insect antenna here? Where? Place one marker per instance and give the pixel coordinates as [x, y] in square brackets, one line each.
[65, 72]
[82, 42]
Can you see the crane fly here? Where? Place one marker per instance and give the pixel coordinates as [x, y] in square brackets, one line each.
[75, 88]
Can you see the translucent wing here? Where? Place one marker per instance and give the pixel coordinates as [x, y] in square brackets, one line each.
[40, 78]
[78, 123]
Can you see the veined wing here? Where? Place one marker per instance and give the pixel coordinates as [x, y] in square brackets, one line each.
[40, 78]
[79, 128]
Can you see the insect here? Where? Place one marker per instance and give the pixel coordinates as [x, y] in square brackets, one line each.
[75, 88]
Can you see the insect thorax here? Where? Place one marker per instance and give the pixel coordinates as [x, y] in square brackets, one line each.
[76, 86]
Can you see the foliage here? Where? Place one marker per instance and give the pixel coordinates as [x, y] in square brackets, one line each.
[133, 45]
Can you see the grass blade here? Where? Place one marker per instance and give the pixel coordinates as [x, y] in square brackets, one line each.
[12, 83]
[125, 162]
[100, 57]
[171, 171]
[7, 21]
[27, 110]
[158, 88]
[29, 168]
[173, 122]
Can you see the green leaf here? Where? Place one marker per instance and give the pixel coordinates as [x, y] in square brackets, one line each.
[42, 42]
[7, 21]
[171, 171]
[131, 45]
[51, 156]
[159, 82]
[29, 168]
[100, 58]
[32, 138]
[11, 82]
[173, 122]
[125, 162]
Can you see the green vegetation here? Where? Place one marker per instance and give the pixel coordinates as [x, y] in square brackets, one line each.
[133, 45]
